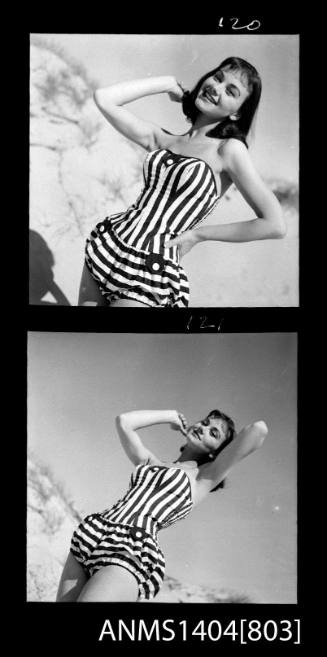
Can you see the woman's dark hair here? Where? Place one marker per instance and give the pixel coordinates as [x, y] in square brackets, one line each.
[230, 434]
[227, 128]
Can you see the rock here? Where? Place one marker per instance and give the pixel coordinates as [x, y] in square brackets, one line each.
[81, 169]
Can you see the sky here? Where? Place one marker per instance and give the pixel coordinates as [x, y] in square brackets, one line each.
[242, 538]
[110, 58]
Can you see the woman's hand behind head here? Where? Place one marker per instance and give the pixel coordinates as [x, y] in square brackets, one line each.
[180, 424]
[177, 92]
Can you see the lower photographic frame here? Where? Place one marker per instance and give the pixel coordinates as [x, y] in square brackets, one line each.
[231, 562]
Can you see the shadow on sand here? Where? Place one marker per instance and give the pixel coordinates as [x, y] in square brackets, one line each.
[41, 278]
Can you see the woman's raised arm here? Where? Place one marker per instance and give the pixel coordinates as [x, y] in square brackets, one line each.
[248, 440]
[110, 102]
[128, 423]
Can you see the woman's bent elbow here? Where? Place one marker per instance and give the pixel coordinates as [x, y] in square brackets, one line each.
[120, 420]
[123, 422]
[98, 98]
[279, 229]
[280, 232]
[260, 431]
[261, 426]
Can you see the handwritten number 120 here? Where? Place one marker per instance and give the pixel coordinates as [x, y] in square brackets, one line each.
[254, 25]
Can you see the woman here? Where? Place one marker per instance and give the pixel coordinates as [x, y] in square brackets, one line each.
[133, 257]
[115, 555]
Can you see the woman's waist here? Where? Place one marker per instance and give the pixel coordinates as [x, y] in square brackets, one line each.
[147, 522]
[142, 238]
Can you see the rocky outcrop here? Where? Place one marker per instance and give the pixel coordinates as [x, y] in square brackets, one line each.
[75, 175]
[175, 591]
[51, 519]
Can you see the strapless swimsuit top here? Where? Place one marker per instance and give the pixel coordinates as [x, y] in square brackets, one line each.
[179, 191]
[157, 497]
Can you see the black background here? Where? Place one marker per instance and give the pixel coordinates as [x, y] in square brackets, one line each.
[47, 626]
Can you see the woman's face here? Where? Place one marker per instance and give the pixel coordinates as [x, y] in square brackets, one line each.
[207, 435]
[222, 94]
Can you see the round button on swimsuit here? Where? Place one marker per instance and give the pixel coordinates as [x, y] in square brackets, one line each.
[135, 532]
[155, 262]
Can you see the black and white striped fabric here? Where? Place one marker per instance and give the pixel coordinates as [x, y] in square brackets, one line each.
[179, 192]
[126, 534]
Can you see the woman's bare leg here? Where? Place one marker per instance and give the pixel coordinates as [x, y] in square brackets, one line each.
[127, 303]
[110, 584]
[72, 580]
[89, 293]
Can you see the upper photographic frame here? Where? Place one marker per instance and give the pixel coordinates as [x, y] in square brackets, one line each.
[83, 170]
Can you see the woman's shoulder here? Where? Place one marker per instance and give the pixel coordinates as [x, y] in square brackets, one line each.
[232, 147]
[233, 153]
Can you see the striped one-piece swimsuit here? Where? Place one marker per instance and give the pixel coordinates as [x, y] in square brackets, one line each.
[126, 534]
[127, 253]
